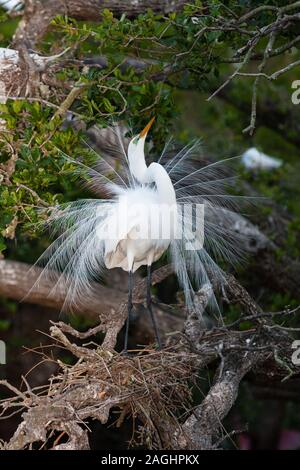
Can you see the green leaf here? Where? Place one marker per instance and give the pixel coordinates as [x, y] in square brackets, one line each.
[17, 106]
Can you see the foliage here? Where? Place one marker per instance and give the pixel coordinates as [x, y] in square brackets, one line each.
[130, 69]
[154, 65]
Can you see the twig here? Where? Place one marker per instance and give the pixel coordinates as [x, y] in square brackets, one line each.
[33, 193]
[68, 101]
[235, 73]
[78, 334]
[261, 67]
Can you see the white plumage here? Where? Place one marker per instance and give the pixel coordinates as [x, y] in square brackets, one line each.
[129, 223]
[124, 231]
[253, 159]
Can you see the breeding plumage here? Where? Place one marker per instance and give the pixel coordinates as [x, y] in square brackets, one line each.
[152, 209]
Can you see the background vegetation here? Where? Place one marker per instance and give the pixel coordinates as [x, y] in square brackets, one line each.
[127, 67]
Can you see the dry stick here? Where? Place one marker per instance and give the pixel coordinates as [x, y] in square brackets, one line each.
[199, 429]
[261, 67]
[66, 328]
[290, 7]
[269, 29]
[262, 8]
[263, 315]
[42, 101]
[258, 56]
[202, 426]
[254, 12]
[33, 193]
[111, 333]
[14, 390]
[235, 73]
[138, 295]
[274, 75]
[67, 103]
[285, 69]
[8, 168]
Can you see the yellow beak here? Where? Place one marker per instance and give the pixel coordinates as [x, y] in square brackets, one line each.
[146, 129]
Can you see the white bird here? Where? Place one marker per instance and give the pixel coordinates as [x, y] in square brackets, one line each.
[9, 4]
[152, 210]
[253, 159]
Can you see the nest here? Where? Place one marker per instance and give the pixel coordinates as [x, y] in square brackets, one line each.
[151, 387]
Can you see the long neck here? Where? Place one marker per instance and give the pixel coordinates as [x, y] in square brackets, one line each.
[154, 173]
[157, 174]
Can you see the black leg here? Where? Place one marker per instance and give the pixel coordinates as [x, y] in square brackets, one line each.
[129, 308]
[149, 307]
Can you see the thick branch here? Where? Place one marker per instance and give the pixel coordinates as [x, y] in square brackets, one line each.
[17, 280]
[39, 13]
[202, 426]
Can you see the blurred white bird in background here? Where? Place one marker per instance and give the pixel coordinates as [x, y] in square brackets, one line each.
[124, 231]
[10, 4]
[253, 159]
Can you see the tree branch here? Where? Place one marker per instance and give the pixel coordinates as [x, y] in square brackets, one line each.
[17, 281]
[201, 429]
[39, 13]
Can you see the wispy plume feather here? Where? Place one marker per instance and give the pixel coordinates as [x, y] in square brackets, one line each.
[78, 252]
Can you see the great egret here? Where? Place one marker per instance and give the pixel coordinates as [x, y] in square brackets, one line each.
[144, 218]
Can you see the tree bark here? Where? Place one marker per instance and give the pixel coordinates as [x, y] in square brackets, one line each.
[39, 13]
[201, 428]
[17, 280]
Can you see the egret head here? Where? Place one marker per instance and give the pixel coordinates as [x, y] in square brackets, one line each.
[136, 154]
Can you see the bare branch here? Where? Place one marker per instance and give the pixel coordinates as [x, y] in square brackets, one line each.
[261, 68]
[201, 428]
[236, 72]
